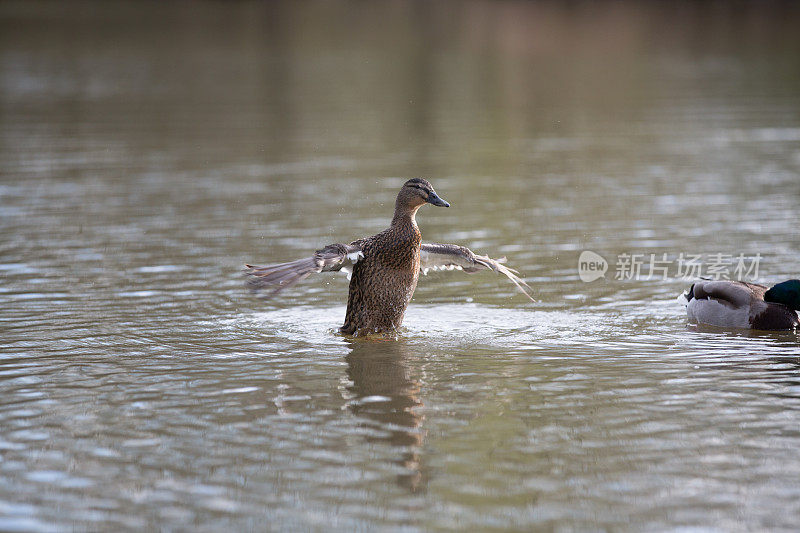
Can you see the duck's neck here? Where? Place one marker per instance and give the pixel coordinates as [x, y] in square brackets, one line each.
[405, 216]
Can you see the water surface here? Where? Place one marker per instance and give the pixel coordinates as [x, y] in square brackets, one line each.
[147, 152]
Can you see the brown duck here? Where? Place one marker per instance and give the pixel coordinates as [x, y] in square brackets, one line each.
[385, 267]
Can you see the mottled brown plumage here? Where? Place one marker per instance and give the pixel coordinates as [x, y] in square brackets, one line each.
[383, 282]
[385, 267]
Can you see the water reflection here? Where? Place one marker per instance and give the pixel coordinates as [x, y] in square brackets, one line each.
[386, 396]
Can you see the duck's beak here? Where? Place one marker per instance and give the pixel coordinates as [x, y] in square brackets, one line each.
[434, 199]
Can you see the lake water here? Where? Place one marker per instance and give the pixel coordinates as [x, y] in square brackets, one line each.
[148, 151]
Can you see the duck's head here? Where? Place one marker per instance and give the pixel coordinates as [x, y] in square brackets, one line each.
[786, 293]
[416, 192]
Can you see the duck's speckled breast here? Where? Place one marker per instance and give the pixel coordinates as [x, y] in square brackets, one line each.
[383, 282]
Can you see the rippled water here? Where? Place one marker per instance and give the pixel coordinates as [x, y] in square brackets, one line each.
[148, 151]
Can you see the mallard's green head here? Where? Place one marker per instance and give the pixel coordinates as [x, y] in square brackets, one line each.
[786, 293]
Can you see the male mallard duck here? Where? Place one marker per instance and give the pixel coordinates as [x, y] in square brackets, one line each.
[385, 267]
[737, 304]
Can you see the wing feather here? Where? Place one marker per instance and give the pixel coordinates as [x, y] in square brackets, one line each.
[732, 293]
[281, 276]
[453, 257]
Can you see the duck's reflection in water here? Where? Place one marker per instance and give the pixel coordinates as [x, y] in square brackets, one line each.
[385, 395]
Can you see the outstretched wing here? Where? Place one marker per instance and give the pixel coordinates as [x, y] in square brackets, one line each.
[280, 276]
[453, 257]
